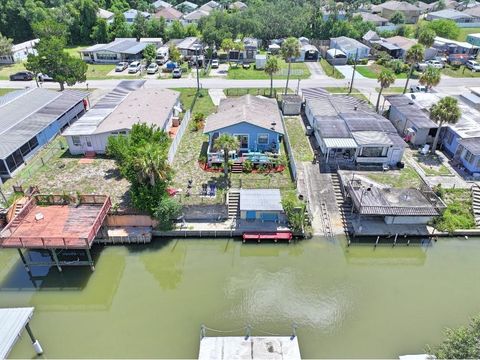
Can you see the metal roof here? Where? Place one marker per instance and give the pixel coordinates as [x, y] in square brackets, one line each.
[260, 200]
[89, 122]
[332, 127]
[371, 138]
[342, 143]
[25, 115]
[122, 45]
[472, 145]
[451, 14]
[348, 44]
[12, 322]
[411, 111]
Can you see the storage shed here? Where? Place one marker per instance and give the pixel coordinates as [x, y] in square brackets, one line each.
[260, 61]
[291, 105]
[260, 204]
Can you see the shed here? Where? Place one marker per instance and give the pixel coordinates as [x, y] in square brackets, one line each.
[260, 204]
[260, 61]
[351, 47]
[291, 105]
[336, 57]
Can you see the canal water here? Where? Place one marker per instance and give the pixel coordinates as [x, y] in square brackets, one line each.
[149, 300]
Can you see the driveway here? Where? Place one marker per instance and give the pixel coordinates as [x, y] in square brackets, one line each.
[222, 70]
[216, 95]
[316, 70]
[347, 71]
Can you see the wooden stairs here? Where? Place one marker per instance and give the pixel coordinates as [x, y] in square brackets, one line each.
[344, 204]
[237, 168]
[233, 201]
[90, 154]
[476, 204]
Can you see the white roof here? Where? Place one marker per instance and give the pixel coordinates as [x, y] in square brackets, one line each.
[260, 200]
[466, 45]
[12, 322]
[340, 143]
[335, 52]
[476, 35]
[25, 45]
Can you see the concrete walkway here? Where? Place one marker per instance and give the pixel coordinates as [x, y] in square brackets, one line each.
[347, 71]
[316, 70]
[216, 95]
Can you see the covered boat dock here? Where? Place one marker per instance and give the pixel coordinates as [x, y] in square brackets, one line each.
[12, 322]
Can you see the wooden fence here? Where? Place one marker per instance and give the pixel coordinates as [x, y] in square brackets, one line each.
[178, 137]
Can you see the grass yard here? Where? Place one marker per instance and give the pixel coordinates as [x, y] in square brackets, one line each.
[459, 212]
[55, 171]
[4, 91]
[372, 71]
[330, 70]
[404, 178]
[460, 72]
[100, 71]
[299, 71]
[465, 31]
[74, 50]
[431, 165]
[302, 151]
[391, 90]
[7, 70]
[203, 104]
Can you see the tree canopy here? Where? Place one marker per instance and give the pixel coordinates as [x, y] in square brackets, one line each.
[5, 45]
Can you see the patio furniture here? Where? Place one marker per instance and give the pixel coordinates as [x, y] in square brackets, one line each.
[212, 189]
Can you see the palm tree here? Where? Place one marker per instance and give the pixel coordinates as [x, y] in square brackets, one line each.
[151, 164]
[227, 45]
[414, 55]
[426, 37]
[385, 78]
[228, 143]
[446, 111]
[430, 77]
[271, 67]
[290, 50]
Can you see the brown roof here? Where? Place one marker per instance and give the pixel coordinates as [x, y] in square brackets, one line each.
[401, 42]
[399, 6]
[168, 13]
[255, 110]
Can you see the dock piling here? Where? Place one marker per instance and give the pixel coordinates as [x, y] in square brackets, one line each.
[36, 344]
[376, 242]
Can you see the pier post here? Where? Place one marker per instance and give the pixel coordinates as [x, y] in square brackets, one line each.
[55, 258]
[376, 242]
[247, 332]
[24, 261]
[35, 342]
[89, 257]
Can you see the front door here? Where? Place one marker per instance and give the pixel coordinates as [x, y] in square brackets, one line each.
[243, 141]
[88, 144]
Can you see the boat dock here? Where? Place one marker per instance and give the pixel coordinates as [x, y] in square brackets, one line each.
[249, 347]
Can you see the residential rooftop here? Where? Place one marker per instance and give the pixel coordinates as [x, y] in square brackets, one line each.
[168, 13]
[349, 44]
[399, 6]
[119, 45]
[412, 111]
[260, 200]
[401, 41]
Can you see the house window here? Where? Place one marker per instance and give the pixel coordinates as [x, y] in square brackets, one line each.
[243, 140]
[469, 157]
[449, 138]
[262, 139]
[106, 56]
[374, 152]
[76, 141]
[121, 132]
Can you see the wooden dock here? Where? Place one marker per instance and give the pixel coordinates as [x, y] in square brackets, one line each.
[249, 347]
[127, 235]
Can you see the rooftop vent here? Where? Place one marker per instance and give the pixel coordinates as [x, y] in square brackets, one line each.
[355, 108]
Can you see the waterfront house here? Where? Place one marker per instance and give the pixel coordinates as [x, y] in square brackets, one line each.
[30, 119]
[349, 132]
[461, 141]
[261, 204]
[410, 11]
[121, 49]
[19, 52]
[256, 122]
[350, 47]
[411, 122]
[117, 112]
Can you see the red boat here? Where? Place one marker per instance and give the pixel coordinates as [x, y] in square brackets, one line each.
[275, 236]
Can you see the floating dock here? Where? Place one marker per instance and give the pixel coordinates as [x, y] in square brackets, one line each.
[250, 347]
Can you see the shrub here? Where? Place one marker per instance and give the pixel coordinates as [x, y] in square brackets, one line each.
[166, 212]
[247, 166]
[383, 58]
[397, 66]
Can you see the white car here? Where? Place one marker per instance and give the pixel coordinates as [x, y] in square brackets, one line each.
[152, 68]
[473, 65]
[134, 67]
[121, 66]
[418, 88]
[436, 64]
[421, 66]
[215, 64]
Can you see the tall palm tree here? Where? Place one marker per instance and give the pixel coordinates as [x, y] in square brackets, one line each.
[426, 37]
[227, 45]
[151, 164]
[446, 111]
[228, 143]
[430, 77]
[385, 78]
[414, 55]
[290, 50]
[271, 67]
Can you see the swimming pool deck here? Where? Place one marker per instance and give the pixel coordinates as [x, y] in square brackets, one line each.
[254, 347]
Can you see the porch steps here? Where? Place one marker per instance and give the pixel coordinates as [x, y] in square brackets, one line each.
[16, 210]
[237, 168]
[344, 204]
[233, 201]
[90, 154]
[476, 203]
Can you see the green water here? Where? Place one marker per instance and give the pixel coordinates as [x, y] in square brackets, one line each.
[149, 300]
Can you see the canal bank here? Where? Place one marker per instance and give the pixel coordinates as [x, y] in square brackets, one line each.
[149, 301]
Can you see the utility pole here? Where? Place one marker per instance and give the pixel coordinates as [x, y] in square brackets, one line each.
[353, 73]
[198, 78]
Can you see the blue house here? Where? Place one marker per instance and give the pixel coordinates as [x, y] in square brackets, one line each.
[255, 121]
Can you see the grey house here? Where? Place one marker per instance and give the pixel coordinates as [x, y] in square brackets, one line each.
[124, 49]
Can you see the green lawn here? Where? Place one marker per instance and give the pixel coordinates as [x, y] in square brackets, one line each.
[7, 70]
[100, 71]
[299, 71]
[203, 104]
[74, 50]
[302, 151]
[465, 31]
[391, 90]
[372, 71]
[432, 165]
[404, 178]
[459, 212]
[330, 70]
[459, 72]
[6, 91]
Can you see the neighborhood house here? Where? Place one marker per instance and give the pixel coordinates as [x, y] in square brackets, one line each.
[352, 48]
[19, 52]
[117, 112]
[121, 49]
[261, 204]
[255, 121]
[410, 11]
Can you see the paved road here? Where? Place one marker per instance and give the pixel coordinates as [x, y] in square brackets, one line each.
[450, 85]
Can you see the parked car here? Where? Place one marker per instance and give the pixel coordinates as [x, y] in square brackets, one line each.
[418, 88]
[442, 59]
[473, 65]
[177, 73]
[22, 76]
[421, 66]
[436, 64]
[134, 67]
[121, 66]
[152, 68]
[215, 64]
[458, 59]
[44, 77]
[246, 65]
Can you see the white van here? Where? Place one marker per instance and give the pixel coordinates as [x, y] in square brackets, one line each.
[134, 67]
[162, 55]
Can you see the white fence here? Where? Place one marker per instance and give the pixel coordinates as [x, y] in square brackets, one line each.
[176, 141]
[291, 159]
